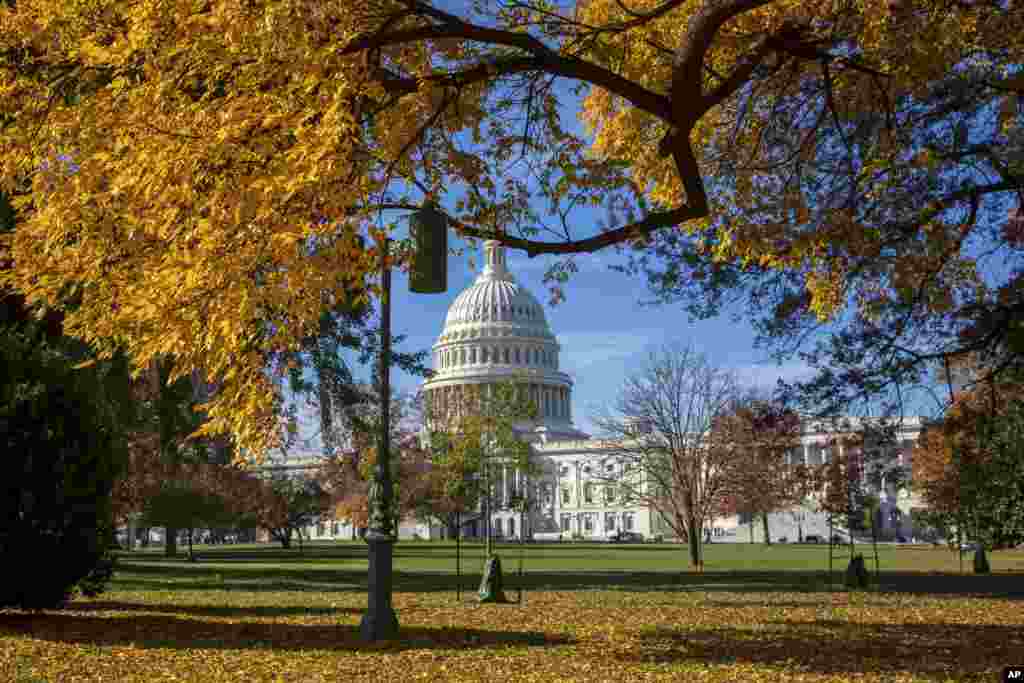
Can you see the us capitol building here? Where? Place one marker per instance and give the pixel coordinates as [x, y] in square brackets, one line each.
[496, 330]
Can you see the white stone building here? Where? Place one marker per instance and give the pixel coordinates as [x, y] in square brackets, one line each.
[495, 330]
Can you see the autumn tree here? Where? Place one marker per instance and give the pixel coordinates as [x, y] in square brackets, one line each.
[679, 463]
[184, 505]
[347, 472]
[347, 477]
[453, 491]
[822, 161]
[968, 466]
[762, 479]
[480, 429]
[287, 504]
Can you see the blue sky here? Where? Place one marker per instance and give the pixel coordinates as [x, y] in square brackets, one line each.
[603, 331]
[605, 335]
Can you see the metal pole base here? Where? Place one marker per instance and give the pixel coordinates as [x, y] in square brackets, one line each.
[491, 585]
[379, 622]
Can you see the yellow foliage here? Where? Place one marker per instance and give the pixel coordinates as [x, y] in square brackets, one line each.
[214, 139]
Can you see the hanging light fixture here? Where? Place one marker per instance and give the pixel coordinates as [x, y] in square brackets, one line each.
[429, 231]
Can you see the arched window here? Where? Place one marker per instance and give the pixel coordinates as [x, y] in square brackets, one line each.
[517, 357]
[483, 355]
[506, 356]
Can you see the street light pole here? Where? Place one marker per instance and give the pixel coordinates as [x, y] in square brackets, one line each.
[429, 275]
[380, 622]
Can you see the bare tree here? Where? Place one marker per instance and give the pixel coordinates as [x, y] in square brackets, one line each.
[662, 446]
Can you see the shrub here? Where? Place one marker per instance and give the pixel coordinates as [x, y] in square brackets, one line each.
[61, 457]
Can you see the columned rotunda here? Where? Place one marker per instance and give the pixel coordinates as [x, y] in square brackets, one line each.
[496, 329]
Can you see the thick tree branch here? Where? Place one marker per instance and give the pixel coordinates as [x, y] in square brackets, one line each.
[687, 78]
[546, 60]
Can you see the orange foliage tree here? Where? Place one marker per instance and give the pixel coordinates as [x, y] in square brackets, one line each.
[786, 147]
[761, 479]
[347, 476]
[969, 467]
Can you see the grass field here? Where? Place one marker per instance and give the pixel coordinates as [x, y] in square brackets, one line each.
[590, 613]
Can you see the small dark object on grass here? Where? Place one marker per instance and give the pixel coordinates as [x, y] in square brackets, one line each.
[491, 589]
[857, 573]
[981, 565]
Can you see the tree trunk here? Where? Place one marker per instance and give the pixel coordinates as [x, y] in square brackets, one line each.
[696, 556]
[750, 527]
[191, 556]
[284, 537]
[170, 542]
[767, 534]
[131, 533]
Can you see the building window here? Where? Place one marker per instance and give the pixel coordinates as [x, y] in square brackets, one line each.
[609, 494]
[511, 526]
[566, 497]
[627, 521]
[546, 494]
[588, 522]
[609, 521]
[564, 470]
[517, 356]
[566, 523]
[588, 493]
[609, 468]
[586, 469]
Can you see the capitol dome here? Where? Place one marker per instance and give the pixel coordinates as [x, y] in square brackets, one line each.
[496, 329]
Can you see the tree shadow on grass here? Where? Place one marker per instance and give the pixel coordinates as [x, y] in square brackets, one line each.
[207, 610]
[936, 651]
[163, 631]
[197, 577]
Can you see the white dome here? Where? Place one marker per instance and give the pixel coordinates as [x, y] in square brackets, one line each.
[497, 330]
[496, 297]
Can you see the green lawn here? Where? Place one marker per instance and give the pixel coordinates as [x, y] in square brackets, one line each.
[590, 613]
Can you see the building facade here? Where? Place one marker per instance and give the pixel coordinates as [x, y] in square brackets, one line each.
[496, 330]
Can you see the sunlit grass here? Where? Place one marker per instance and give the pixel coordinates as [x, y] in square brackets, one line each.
[614, 614]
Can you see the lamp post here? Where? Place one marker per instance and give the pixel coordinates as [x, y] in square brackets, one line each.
[428, 275]
[380, 622]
